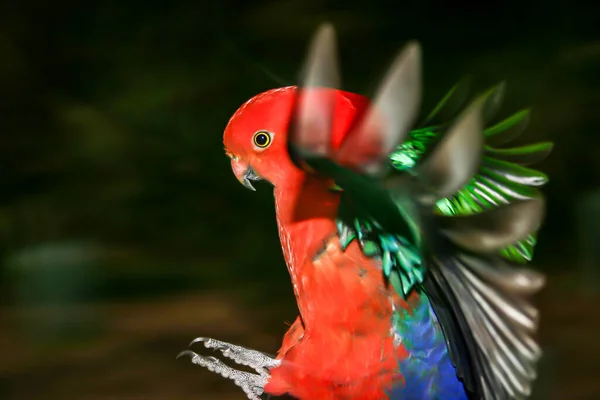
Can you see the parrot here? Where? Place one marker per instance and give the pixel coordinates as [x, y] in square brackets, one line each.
[405, 239]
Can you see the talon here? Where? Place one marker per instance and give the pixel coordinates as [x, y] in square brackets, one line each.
[252, 384]
[240, 355]
[185, 353]
[210, 343]
[197, 340]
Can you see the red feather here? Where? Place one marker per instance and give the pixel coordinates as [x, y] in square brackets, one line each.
[342, 345]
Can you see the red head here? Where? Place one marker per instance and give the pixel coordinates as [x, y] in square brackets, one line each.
[256, 136]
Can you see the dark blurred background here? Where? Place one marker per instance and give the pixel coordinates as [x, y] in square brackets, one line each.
[123, 233]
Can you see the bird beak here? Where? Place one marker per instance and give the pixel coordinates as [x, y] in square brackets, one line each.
[244, 173]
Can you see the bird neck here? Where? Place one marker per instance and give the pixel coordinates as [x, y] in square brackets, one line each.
[306, 211]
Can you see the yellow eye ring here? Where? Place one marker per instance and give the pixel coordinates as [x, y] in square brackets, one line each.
[262, 139]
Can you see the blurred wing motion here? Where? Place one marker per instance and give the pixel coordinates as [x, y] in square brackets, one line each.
[502, 176]
[445, 210]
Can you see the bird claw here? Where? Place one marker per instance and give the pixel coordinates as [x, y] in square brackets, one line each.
[240, 355]
[252, 384]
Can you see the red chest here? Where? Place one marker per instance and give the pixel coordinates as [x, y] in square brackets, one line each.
[341, 347]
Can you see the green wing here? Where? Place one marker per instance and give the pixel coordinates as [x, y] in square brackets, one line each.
[502, 177]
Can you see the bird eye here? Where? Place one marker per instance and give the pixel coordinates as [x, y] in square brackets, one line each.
[262, 139]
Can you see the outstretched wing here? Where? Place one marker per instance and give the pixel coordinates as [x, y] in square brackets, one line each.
[440, 222]
[502, 177]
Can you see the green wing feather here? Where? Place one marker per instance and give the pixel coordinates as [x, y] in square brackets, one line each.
[502, 176]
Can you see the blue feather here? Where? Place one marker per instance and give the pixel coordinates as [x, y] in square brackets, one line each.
[428, 371]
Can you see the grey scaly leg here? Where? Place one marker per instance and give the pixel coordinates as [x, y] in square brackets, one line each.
[252, 384]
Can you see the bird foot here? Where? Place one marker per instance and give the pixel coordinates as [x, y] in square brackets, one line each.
[252, 384]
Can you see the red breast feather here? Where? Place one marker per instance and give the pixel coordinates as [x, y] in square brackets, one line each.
[342, 348]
